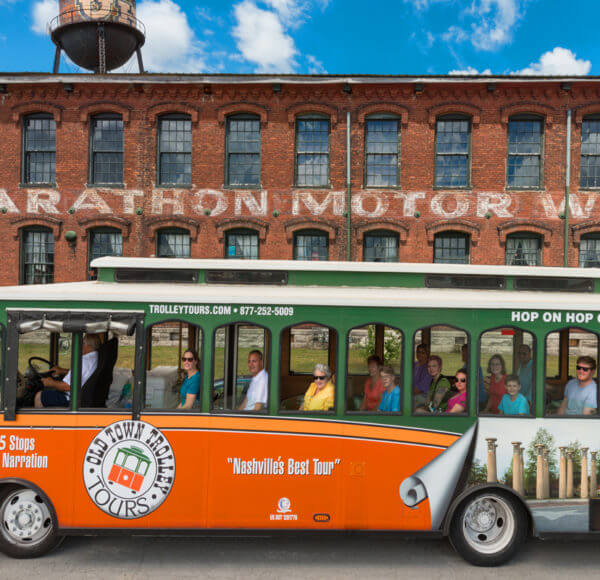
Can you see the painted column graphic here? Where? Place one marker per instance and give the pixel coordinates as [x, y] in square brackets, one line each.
[584, 473]
[517, 470]
[562, 474]
[593, 476]
[569, 473]
[546, 474]
[539, 472]
[522, 483]
[492, 475]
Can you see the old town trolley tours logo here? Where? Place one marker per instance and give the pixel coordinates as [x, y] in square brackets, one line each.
[129, 468]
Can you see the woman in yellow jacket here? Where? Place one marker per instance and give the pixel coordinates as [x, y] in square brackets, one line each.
[320, 396]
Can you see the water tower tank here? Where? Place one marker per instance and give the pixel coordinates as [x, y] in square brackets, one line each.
[98, 35]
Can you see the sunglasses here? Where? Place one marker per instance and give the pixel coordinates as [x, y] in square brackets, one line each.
[580, 368]
[187, 358]
[319, 377]
[463, 380]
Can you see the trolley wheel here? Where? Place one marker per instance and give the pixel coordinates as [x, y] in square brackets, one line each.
[27, 527]
[488, 527]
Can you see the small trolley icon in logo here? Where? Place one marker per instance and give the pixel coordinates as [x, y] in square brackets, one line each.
[129, 468]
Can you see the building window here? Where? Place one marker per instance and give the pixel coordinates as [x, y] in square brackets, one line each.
[452, 151]
[382, 147]
[175, 150]
[39, 149]
[590, 152]
[312, 152]
[451, 248]
[243, 151]
[589, 251]
[380, 247]
[104, 242]
[37, 256]
[311, 245]
[106, 150]
[173, 243]
[524, 152]
[241, 245]
[523, 250]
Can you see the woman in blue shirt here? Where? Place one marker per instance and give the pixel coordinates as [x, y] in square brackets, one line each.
[390, 400]
[190, 388]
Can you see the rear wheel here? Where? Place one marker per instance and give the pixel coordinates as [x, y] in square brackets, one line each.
[27, 526]
[488, 528]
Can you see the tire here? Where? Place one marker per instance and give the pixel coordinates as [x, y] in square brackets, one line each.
[27, 526]
[488, 527]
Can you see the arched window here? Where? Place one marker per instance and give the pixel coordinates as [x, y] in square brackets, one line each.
[241, 244]
[37, 255]
[174, 150]
[382, 150]
[590, 152]
[39, 149]
[173, 243]
[453, 151]
[525, 152]
[380, 246]
[106, 149]
[103, 242]
[311, 245]
[451, 248]
[243, 150]
[589, 251]
[312, 150]
[523, 249]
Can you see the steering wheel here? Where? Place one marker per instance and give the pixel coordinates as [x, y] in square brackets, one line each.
[34, 372]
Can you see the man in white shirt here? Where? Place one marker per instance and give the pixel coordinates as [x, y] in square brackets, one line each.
[59, 392]
[258, 391]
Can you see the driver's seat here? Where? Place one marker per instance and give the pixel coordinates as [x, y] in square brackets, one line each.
[95, 390]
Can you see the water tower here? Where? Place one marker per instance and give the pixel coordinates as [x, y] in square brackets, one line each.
[98, 35]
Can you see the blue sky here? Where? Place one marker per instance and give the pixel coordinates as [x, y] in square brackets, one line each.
[335, 36]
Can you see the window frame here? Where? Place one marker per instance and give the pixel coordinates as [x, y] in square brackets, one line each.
[90, 237]
[585, 238]
[454, 117]
[458, 234]
[91, 160]
[527, 117]
[592, 117]
[25, 152]
[312, 117]
[160, 153]
[382, 233]
[525, 236]
[242, 117]
[173, 230]
[313, 232]
[382, 117]
[241, 231]
[22, 264]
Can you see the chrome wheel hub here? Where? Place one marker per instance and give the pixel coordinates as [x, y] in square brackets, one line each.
[25, 517]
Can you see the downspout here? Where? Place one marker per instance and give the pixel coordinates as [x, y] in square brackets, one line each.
[567, 191]
[348, 191]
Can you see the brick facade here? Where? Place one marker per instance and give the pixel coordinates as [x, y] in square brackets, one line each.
[415, 211]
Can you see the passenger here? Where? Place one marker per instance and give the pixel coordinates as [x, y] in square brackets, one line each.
[58, 393]
[190, 388]
[495, 383]
[258, 391]
[437, 399]
[525, 371]
[580, 393]
[320, 395]
[513, 403]
[458, 403]
[373, 386]
[421, 378]
[390, 399]
[464, 353]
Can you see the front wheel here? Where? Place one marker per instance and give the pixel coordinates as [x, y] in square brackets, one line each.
[27, 528]
[488, 528]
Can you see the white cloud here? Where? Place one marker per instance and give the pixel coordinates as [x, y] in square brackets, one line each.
[559, 61]
[42, 12]
[470, 71]
[455, 34]
[261, 36]
[495, 22]
[315, 66]
[171, 44]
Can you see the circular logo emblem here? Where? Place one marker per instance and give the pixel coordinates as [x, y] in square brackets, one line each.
[283, 505]
[129, 469]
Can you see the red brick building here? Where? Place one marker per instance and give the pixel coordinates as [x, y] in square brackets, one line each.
[441, 169]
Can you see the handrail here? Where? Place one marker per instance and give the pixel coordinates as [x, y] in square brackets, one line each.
[75, 15]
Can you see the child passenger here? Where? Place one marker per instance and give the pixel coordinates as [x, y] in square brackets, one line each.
[513, 403]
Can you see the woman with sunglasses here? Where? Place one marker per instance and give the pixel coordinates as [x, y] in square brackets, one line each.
[320, 395]
[458, 403]
[190, 388]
